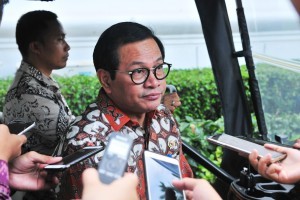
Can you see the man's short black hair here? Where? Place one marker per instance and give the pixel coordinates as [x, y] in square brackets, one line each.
[105, 54]
[31, 27]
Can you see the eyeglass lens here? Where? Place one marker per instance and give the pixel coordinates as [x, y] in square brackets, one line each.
[140, 75]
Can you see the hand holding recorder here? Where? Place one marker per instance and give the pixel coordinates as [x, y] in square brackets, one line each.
[114, 162]
[110, 172]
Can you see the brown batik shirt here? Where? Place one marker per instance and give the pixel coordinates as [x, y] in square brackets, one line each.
[99, 120]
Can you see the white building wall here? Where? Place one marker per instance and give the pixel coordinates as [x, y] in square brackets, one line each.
[183, 51]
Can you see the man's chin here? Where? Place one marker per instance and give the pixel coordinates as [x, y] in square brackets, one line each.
[60, 67]
[153, 107]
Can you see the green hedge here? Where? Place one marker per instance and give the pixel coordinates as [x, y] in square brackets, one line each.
[5, 83]
[194, 132]
[196, 89]
[79, 91]
[198, 93]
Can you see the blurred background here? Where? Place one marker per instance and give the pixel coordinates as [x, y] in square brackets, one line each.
[273, 25]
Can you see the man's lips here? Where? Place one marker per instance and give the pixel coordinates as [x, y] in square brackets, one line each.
[152, 96]
[66, 57]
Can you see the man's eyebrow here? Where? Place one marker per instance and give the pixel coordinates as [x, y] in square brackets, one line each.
[136, 63]
[142, 63]
[59, 34]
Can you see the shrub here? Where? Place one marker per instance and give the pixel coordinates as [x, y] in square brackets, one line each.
[194, 132]
[79, 91]
[196, 89]
[4, 86]
[198, 93]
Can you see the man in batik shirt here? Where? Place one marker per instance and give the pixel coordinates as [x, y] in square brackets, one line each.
[129, 60]
[34, 95]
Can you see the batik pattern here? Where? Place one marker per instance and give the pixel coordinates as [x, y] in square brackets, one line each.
[34, 97]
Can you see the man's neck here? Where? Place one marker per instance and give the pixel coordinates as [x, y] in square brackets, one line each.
[39, 66]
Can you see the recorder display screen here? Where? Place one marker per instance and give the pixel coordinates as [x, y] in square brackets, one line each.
[117, 147]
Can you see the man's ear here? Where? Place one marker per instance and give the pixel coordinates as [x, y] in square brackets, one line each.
[34, 47]
[105, 80]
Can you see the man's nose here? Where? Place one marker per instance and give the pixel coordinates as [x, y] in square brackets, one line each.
[152, 80]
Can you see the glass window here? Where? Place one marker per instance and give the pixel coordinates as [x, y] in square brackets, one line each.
[274, 28]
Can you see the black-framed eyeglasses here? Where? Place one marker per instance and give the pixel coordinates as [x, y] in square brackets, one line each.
[140, 75]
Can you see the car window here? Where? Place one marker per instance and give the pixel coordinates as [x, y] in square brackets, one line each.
[274, 29]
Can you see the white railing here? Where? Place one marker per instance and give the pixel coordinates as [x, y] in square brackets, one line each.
[285, 64]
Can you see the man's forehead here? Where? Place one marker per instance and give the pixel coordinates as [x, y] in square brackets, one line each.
[140, 52]
[54, 29]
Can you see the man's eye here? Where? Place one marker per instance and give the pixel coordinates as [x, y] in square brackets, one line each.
[159, 67]
[61, 38]
[139, 71]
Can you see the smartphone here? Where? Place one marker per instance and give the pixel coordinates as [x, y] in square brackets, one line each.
[244, 146]
[27, 129]
[160, 171]
[114, 161]
[21, 128]
[75, 157]
[262, 142]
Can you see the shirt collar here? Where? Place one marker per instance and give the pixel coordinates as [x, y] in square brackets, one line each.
[32, 71]
[116, 118]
